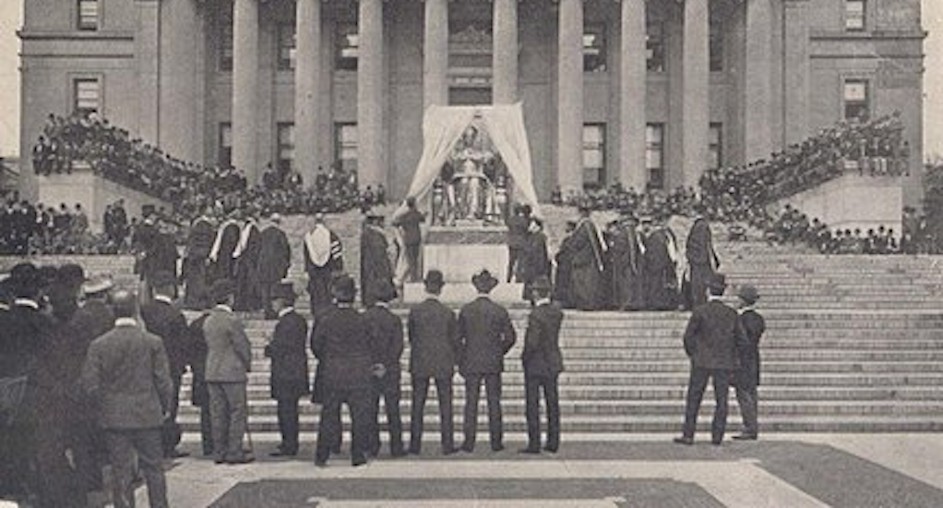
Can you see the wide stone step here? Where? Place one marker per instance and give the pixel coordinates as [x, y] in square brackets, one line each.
[640, 423]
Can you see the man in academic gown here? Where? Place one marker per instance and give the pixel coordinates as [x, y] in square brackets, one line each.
[375, 266]
[199, 244]
[626, 259]
[221, 254]
[274, 261]
[702, 259]
[534, 260]
[323, 258]
[562, 287]
[661, 282]
[587, 273]
[246, 259]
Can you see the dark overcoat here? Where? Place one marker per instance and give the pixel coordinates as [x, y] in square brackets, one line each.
[485, 335]
[289, 378]
[713, 338]
[433, 335]
[541, 355]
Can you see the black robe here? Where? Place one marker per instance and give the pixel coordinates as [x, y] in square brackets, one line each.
[534, 261]
[199, 243]
[223, 267]
[587, 274]
[661, 282]
[627, 265]
[563, 283]
[248, 296]
[702, 260]
[375, 266]
[319, 276]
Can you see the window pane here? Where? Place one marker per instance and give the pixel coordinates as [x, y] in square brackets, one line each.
[654, 134]
[594, 48]
[88, 15]
[87, 95]
[856, 91]
[225, 135]
[348, 47]
[854, 14]
[655, 46]
[225, 45]
[286, 46]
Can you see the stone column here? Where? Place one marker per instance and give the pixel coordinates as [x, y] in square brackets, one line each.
[435, 51]
[504, 54]
[147, 57]
[570, 96]
[307, 82]
[696, 89]
[370, 107]
[181, 76]
[758, 93]
[797, 71]
[245, 79]
[632, 99]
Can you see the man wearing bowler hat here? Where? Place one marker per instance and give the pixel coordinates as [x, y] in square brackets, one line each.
[432, 355]
[748, 377]
[339, 340]
[712, 341]
[386, 342]
[543, 363]
[485, 335]
[228, 360]
[289, 379]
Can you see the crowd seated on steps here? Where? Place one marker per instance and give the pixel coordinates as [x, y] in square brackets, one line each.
[741, 196]
[67, 142]
[35, 228]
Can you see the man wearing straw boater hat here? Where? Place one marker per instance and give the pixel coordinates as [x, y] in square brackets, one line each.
[485, 335]
[748, 377]
[712, 340]
[433, 353]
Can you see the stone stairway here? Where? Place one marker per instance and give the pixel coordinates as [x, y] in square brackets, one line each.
[854, 343]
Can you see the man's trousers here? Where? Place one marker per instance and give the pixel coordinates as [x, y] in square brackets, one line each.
[443, 388]
[493, 393]
[228, 413]
[123, 445]
[288, 424]
[358, 402]
[388, 388]
[696, 386]
[532, 386]
[747, 400]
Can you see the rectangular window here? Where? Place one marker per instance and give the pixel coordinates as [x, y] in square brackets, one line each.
[224, 147]
[286, 46]
[86, 93]
[594, 48]
[347, 47]
[855, 15]
[345, 145]
[655, 46]
[716, 146]
[225, 45]
[716, 45]
[655, 154]
[857, 100]
[594, 155]
[88, 15]
[286, 146]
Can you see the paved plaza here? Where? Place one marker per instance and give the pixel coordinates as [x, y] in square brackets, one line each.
[591, 471]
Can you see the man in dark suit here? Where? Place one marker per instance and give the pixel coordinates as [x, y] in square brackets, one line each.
[433, 331]
[386, 341]
[412, 237]
[228, 360]
[289, 379]
[748, 377]
[543, 363]
[340, 340]
[163, 319]
[274, 261]
[485, 335]
[199, 394]
[126, 373]
[712, 341]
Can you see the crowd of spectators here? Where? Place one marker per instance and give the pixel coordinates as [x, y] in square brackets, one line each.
[31, 228]
[71, 142]
[743, 196]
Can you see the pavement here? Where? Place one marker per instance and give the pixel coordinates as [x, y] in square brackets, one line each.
[589, 471]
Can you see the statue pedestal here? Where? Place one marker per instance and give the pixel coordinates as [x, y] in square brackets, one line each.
[461, 251]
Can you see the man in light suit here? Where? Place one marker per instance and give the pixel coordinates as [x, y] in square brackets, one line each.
[543, 363]
[228, 360]
[432, 355]
[712, 340]
[127, 375]
[485, 335]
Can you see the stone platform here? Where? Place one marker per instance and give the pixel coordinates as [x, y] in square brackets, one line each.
[461, 251]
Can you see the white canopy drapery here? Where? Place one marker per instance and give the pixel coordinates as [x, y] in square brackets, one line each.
[442, 126]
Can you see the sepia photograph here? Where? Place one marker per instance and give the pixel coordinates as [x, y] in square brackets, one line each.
[304, 253]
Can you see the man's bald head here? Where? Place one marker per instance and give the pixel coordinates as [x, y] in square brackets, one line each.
[124, 304]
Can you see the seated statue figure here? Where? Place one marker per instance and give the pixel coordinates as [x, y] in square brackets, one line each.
[470, 188]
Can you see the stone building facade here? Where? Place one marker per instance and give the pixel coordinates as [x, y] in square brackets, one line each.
[643, 92]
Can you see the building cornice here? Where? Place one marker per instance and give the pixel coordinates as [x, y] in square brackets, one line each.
[874, 35]
[36, 35]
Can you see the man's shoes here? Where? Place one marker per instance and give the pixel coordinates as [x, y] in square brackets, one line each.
[745, 437]
[717, 442]
[414, 450]
[450, 451]
[358, 463]
[320, 462]
[497, 447]
[219, 460]
[468, 448]
[551, 449]
[530, 451]
[684, 440]
[176, 454]
[398, 453]
[245, 459]
[282, 453]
